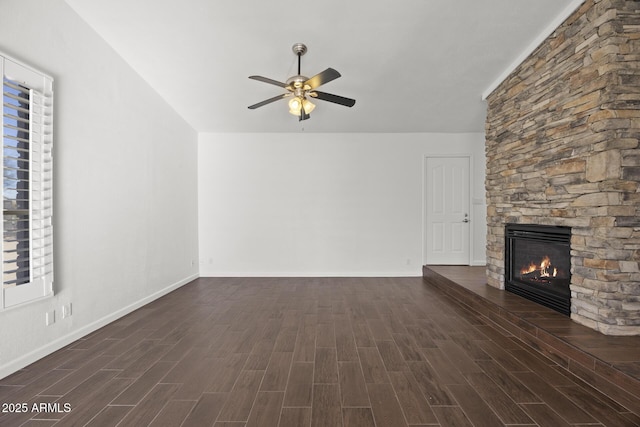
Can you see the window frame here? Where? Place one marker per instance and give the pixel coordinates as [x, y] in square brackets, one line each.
[40, 183]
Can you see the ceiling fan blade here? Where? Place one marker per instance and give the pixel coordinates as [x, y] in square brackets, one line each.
[324, 77]
[347, 102]
[268, 101]
[268, 80]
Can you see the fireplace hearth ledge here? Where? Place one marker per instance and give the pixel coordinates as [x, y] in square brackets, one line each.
[507, 310]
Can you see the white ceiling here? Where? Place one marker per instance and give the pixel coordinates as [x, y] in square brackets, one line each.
[412, 65]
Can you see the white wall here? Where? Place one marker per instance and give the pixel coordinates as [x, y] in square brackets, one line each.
[322, 204]
[125, 183]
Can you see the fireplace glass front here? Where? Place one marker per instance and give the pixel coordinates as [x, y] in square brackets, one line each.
[538, 264]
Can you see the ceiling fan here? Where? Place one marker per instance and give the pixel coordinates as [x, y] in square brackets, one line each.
[300, 89]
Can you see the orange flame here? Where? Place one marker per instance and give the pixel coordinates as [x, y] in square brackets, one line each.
[529, 269]
[543, 268]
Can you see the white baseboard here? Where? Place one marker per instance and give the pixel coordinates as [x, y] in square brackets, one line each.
[37, 354]
[312, 274]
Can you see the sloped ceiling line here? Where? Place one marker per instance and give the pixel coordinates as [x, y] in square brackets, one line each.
[572, 7]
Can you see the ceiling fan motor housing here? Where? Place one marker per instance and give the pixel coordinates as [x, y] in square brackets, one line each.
[297, 86]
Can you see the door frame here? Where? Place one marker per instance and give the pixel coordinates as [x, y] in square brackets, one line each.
[425, 236]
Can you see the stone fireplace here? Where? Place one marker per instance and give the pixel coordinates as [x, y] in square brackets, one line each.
[562, 146]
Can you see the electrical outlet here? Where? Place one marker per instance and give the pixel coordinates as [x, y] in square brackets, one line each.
[50, 317]
[66, 310]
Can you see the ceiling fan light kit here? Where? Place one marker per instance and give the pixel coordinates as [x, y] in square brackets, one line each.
[300, 89]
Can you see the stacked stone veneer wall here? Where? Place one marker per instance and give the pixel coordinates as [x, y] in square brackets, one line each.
[562, 137]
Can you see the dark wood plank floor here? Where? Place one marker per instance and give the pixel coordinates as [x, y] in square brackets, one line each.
[321, 352]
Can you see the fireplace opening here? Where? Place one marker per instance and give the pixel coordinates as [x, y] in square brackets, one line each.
[538, 264]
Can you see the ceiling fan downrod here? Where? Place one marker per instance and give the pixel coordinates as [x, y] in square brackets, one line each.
[299, 49]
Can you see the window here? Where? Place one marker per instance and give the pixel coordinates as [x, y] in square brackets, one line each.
[27, 140]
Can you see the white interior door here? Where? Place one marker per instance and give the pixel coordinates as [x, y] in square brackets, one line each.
[447, 210]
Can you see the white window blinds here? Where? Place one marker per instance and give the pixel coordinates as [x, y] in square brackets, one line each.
[27, 202]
